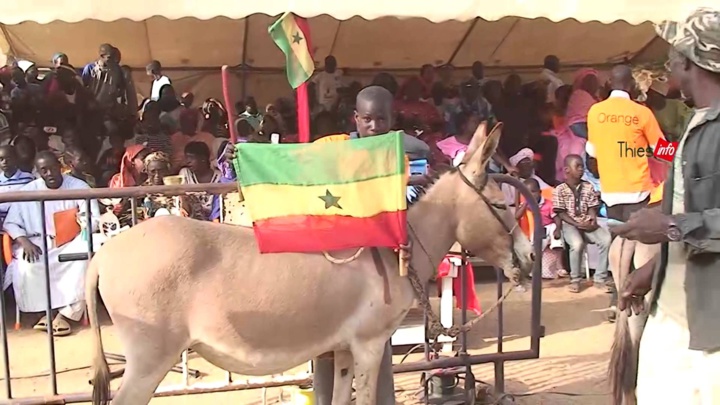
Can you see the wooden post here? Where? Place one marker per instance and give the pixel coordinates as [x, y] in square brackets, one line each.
[403, 265]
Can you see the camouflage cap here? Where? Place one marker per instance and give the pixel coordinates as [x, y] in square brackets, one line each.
[698, 37]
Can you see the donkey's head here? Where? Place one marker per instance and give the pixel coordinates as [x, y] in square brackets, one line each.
[476, 205]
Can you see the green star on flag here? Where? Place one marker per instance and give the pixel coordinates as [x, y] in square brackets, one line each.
[297, 38]
[330, 200]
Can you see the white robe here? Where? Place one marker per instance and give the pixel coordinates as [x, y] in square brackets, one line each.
[67, 280]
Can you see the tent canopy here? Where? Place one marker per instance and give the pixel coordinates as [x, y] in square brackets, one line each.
[607, 11]
[195, 37]
[385, 43]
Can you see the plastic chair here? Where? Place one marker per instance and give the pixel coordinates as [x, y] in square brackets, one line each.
[586, 259]
[7, 258]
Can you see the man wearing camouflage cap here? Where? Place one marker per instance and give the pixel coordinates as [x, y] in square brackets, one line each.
[679, 360]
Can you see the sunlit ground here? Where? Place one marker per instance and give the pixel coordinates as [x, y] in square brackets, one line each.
[571, 369]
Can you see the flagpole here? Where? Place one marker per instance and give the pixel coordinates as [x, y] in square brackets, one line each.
[303, 113]
[303, 103]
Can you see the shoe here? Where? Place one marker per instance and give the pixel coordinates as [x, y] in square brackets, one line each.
[574, 287]
[604, 286]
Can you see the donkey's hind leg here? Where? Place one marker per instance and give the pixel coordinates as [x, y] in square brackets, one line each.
[148, 360]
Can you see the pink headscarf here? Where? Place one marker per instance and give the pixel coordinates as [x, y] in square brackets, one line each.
[581, 74]
[125, 177]
[580, 100]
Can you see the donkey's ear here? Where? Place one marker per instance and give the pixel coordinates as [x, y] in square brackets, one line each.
[477, 162]
[477, 140]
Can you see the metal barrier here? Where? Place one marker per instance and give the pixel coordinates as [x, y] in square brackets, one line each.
[462, 360]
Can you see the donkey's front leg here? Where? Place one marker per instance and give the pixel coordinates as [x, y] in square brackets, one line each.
[342, 386]
[368, 355]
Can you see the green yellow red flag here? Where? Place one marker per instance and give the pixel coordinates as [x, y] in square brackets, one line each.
[290, 35]
[325, 196]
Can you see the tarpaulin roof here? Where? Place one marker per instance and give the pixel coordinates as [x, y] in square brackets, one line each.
[196, 36]
[632, 11]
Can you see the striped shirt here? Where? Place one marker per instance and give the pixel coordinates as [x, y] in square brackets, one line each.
[12, 183]
[159, 142]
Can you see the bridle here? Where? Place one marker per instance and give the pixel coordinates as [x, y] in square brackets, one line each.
[494, 207]
[435, 327]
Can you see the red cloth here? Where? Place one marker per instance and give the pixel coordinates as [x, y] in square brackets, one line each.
[473, 303]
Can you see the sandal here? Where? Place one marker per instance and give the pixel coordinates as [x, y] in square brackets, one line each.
[574, 287]
[61, 327]
[562, 273]
[41, 324]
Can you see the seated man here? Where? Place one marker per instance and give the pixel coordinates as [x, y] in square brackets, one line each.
[576, 204]
[24, 224]
[11, 178]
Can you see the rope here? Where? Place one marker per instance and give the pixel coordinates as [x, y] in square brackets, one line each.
[435, 327]
[343, 261]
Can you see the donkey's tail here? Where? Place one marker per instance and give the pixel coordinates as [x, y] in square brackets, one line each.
[622, 370]
[101, 378]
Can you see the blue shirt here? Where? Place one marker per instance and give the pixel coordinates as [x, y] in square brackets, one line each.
[596, 185]
[12, 183]
[87, 73]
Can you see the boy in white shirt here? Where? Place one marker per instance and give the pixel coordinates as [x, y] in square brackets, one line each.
[328, 82]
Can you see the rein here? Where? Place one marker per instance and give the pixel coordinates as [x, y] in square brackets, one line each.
[435, 327]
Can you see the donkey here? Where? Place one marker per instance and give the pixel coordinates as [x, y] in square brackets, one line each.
[623, 365]
[173, 283]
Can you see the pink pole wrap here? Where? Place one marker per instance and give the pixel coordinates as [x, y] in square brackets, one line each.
[303, 103]
[229, 105]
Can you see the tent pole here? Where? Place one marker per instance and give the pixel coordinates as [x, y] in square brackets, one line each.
[243, 64]
[462, 41]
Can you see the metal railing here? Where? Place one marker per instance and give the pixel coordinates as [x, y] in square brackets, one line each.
[462, 360]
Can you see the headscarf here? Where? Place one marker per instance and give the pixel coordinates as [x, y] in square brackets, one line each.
[581, 74]
[580, 100]
[157, 157]
[524, 153]
[125, 178]
[57, 56]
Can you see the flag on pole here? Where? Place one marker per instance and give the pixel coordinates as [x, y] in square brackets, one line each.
[325, 196]
[291, 35]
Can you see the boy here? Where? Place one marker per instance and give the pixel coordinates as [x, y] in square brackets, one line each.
[576, 204]
[552, 267]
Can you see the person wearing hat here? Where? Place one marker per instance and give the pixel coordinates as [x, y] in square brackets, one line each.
[671, 114]
[679, 359]
[59, 59]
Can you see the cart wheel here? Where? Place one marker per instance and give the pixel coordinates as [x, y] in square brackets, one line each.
[470, 388]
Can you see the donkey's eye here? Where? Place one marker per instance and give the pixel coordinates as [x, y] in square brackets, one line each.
[500, 206]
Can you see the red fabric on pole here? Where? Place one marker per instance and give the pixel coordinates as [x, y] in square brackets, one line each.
[303, 114]
[303, 104]
[229, 105]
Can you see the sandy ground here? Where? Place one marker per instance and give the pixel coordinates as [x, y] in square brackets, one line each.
[571, 368]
